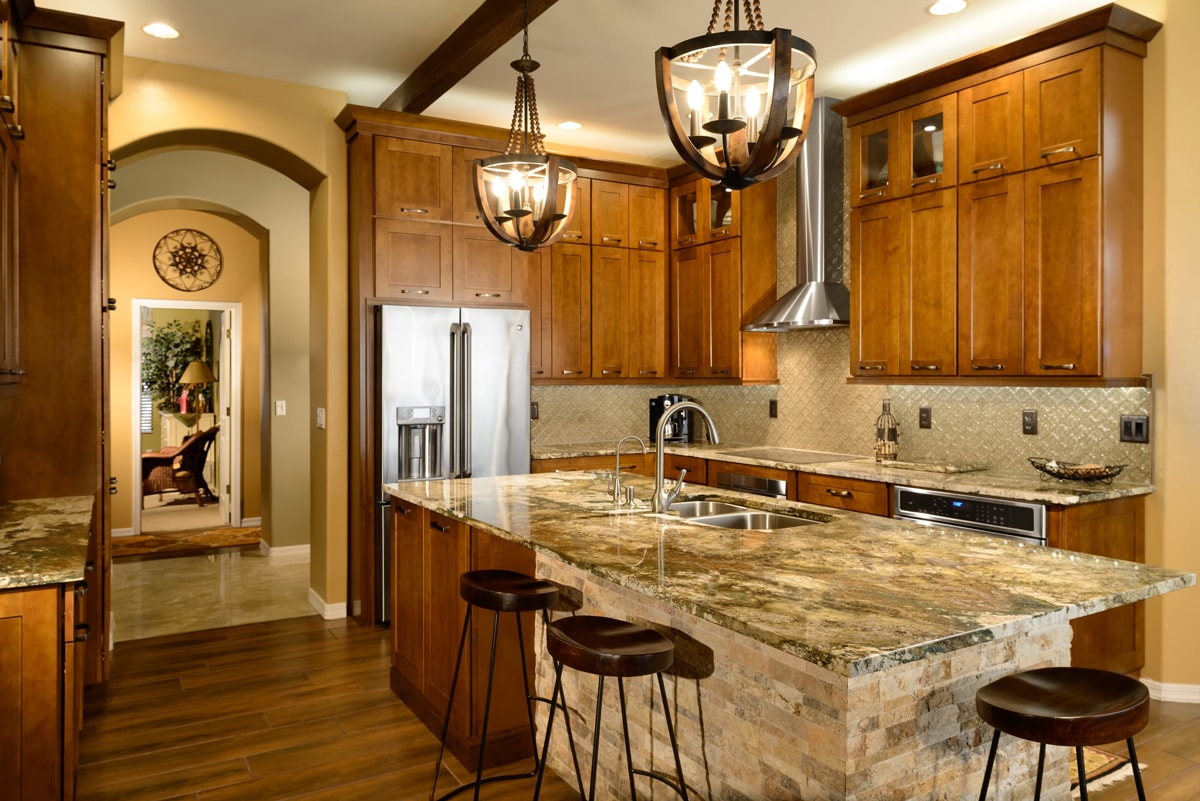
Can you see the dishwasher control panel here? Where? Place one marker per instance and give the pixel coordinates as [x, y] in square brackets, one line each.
[976, 512]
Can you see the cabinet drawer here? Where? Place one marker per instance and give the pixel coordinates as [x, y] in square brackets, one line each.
[852, 494]
[697, 468]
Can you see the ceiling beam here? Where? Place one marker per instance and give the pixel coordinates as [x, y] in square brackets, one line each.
[489, 28]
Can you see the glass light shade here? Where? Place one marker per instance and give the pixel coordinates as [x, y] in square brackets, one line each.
[525, 199]
[724, 137]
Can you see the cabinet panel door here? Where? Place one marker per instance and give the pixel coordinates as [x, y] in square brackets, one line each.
[647, 315]
[991, 219]
[991, 129]
[10, 351]
[724, 212]
[928, 286]
[483, 271]
[874, 153]
[1062, 109]
[466, 209]
[725, 317]
[571, 301]
[647, 217]
[610, 213]
[876, 245]
[685, 215]
[579, 227]
[690, 300]
[413, 179]
[30, 693]
[447, 556]
[408, 591]
[413, 260]
[610, 312]
[1062, 269]
[929, 146]
[531, 279]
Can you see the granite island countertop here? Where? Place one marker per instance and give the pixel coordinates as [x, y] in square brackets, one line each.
[854, 594]
[44, 541]
[960, 476]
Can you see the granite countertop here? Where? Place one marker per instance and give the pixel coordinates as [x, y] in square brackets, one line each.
[964, 477]
[44, 541]
[855, 594]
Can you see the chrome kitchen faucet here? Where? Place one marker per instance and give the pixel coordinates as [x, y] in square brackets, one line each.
[662, 497]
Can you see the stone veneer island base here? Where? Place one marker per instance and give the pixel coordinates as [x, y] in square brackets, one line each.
[829, 662]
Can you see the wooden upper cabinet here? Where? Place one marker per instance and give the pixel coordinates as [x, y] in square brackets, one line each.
[1062, 109]
[928, 146]
[413, 179]
[928, 285]
[991, 129]
[466, 209]
[579, 227]
[991, 219]
[610, 214]
[483, 269]
[647, 315]
[706, 311]
[876, 257]
[571, 301]
[532, 271]
[701, 213]
[647, 218]
[413, 260]
[1063, 287]
[874, 153]
[610, 312]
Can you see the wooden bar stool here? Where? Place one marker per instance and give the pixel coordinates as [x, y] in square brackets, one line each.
[499, 591]
[604, 647]
[1065, 706]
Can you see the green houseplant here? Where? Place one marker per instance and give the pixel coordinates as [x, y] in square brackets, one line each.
[166, 352]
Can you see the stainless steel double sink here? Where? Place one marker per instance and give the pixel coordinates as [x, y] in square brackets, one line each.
[731, 515]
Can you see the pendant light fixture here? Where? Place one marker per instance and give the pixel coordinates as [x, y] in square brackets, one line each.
[525, 197]
[748, 96]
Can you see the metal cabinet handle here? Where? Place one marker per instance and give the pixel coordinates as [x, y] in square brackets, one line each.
[1058, 366]
[610, 372]
[435, 524]
[933, 179]
[414, 291]
[999, 165]
[538, 372]
[647, 372]
[870, 367]
[987, 366]
[604, 238]
[572, 372]
[111, 165]
[720, 232]
[405, 210]
[16, 131]
[487, 294]
[726, 371]
[877, 193]
[650, 242]
[7, 105]
[839, 493]
[685, 240]
[404, 510]
[687, 372]
[81, 632]
[924, 367]
[111, 184]
[1058, 151]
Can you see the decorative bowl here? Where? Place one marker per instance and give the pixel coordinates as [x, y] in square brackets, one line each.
[1070, 471]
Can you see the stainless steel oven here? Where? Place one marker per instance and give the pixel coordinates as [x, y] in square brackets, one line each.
[1000, 517]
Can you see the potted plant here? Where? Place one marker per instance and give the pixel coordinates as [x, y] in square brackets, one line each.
[166, 352]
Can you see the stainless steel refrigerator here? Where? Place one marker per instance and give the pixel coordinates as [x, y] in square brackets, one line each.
[452, 402]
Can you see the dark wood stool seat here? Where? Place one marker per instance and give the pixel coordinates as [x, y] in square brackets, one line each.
[498, 591]
[1065, 706]
[604, 646]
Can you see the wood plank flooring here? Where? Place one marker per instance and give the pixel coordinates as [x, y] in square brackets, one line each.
[289, 709]
[300, 709]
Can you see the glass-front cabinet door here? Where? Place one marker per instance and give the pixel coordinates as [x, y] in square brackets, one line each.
[874, 151]
[930, 148]
[685, 215]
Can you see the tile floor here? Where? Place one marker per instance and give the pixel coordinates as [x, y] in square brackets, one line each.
[154, 597]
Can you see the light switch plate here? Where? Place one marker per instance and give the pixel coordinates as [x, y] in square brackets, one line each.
[320, 417]
[280, 408]
[1029, 421]
[925, 417]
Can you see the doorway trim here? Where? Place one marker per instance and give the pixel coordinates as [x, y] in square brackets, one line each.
[234, 370]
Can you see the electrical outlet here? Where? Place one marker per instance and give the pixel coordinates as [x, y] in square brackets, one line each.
[1029, 421]
[1135, 428]
[772, 408]
[925, 417]
[533, 410]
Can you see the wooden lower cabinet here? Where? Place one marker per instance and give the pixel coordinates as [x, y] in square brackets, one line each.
[41, 693]
[851, 494]
[706, 313]
[697, 467]
[1113, 639]
[636, 463]
[430, 552]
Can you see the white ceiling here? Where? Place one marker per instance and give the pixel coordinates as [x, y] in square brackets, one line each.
[596, 55]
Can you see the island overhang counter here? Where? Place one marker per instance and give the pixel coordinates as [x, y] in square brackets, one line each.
[837, 660]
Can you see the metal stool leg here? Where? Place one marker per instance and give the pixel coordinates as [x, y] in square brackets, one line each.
[625, 731]
[987, 773]
[1137, 772]
[682, 788]
[1037, 788]
[1082, 773]
[462, 645]
[596, 739]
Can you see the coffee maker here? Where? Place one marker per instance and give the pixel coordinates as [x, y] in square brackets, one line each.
[679, 428]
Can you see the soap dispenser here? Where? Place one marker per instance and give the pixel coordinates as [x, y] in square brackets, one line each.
[886, 447]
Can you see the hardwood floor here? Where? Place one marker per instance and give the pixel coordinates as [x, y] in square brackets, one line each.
[300, 709]
[288, 709]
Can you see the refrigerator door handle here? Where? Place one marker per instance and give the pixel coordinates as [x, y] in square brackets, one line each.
[455, 435]
[465, 401]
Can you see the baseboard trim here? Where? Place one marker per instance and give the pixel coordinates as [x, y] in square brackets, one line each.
[284, 550]
[122, 532]
[327, 611]
[248, 522]
[1181, 693]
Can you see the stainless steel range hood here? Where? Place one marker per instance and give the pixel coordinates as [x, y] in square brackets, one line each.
[815, 302]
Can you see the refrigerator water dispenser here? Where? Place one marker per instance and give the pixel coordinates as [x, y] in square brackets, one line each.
[420, 442]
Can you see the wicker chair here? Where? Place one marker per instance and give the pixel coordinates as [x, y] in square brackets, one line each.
[179, 469]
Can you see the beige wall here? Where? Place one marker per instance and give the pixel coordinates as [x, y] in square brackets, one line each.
[132, 275]
[290, 130]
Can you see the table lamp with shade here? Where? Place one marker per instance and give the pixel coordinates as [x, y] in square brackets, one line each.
[195, 374]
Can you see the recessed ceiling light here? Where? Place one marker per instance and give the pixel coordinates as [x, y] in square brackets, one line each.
[161, 30]
[943, 7]
[570, 125]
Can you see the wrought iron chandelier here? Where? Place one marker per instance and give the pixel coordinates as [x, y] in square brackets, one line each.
[748, 95]
[519, 193]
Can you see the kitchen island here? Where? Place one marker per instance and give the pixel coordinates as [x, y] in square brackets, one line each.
[837, 660]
